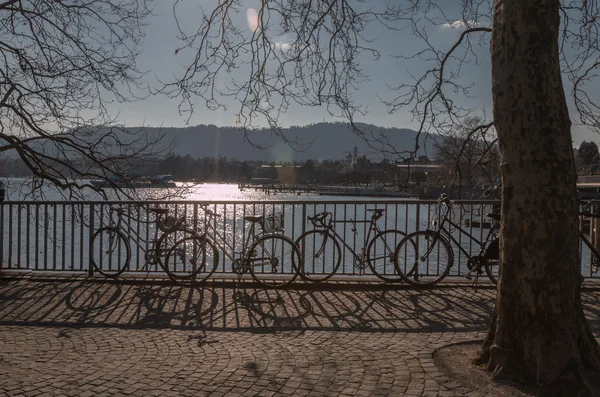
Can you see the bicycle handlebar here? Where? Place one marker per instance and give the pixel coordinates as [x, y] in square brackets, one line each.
[207, 211]
[444, 200]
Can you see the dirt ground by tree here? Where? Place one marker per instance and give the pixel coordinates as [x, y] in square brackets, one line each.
[455, 361]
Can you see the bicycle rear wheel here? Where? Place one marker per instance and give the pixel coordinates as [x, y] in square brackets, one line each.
[381, 253]
[321, 255]
[492, 260]
[110, 252]
[423, 258]
[273, 261]
[191, 260]
[492, 268]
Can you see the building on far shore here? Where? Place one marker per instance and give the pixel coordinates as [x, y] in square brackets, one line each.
[588, 186]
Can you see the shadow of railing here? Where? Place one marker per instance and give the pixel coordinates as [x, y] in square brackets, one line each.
[80, 303]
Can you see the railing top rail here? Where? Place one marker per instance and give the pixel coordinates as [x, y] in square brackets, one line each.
[266, 202]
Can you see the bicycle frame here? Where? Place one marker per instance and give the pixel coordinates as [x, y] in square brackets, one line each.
[151, 253]
[224, 246]
[444, 232]
[335, 235]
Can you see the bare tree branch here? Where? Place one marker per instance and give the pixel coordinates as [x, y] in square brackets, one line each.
[61, 64]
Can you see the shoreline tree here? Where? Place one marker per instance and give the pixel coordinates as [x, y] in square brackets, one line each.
[538, 335]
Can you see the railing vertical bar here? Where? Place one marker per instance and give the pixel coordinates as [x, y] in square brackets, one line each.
[138, 231]
[27, 237]
[54, 235]
[10, 235]
[90, 236]
[46, 236]
[332, 251]
[19, 235]
[302, 231]
[344, 267]
[64, 236]
[37, 235]
[195, 220]
[81, 233]
[72, 206]
[580, 242]
[147, 243]
[459, 252]
[354, 237]
[224, 233]
[243, 232]
[234, 227]
[406, 208]
[418, 217]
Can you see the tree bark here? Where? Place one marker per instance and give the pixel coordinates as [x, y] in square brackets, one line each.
[539, 335]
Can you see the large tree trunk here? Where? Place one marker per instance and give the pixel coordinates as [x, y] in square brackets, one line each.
[539, 335]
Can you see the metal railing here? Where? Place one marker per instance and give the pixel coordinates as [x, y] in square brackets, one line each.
[55, 236]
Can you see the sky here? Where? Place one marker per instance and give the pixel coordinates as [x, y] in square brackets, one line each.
[159, 62]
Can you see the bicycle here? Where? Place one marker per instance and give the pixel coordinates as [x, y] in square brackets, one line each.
[321, 252]
[110, 244]
[437, 256]
[267, 255]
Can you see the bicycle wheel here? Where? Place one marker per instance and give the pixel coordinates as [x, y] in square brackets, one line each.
[380, 255]
[110, 252]
[423, 258]
[273, 261]
[492, 268]
[492, 260]
[320, 255]
[191, 260]
[166, 241]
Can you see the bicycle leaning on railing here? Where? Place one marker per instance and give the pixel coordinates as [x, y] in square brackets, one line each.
[321, 253]
[424, 258]
[110, 248]
[271, 258]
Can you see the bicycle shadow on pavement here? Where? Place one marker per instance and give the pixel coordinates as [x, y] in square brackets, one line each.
[78, 302]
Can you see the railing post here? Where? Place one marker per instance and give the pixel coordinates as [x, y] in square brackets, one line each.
[418, 217]
[303, 218]
[90, 253]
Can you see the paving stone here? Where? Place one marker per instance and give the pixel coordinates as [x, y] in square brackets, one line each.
[76, 337]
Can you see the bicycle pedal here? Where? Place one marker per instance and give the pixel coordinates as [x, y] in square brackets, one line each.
[469, 277]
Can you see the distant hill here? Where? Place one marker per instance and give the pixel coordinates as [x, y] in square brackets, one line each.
[316, 141]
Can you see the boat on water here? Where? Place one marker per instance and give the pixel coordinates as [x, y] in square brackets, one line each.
[139, 181]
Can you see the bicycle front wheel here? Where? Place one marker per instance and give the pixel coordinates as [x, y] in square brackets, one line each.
[381, 253]
[423, 258]
[492, 260]
[191, 260]
[273, 261]
[110, 252]
[321, 255]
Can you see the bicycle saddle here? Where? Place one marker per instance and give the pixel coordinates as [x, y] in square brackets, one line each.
[378, 211]
[159, 211]
[494, 215]
[253, 218]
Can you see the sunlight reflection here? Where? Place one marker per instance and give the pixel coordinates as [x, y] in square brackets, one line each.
[253, 21]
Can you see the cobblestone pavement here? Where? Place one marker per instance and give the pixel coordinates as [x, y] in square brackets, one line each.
[77, 337]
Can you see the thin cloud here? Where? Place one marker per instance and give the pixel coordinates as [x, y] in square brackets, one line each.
[283, 46]
[459, 24]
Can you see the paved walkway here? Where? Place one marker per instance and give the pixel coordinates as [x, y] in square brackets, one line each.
[76, 337]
